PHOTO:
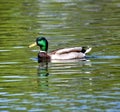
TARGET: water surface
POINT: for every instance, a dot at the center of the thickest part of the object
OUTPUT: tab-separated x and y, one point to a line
69	86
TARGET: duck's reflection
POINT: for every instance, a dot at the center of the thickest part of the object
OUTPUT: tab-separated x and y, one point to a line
43	73
43	69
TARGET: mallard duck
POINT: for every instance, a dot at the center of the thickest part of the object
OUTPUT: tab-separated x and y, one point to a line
60	54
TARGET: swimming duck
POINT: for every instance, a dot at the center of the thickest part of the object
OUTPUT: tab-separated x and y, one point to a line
60	54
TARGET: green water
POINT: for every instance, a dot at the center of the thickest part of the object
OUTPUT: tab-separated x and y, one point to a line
74	86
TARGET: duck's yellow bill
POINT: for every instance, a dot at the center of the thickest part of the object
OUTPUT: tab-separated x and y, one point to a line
32	45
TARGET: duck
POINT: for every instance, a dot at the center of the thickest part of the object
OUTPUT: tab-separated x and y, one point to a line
59	54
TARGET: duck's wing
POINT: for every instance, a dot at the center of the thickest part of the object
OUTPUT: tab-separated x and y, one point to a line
74	49
67	50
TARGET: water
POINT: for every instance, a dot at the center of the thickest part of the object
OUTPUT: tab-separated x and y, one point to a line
69	86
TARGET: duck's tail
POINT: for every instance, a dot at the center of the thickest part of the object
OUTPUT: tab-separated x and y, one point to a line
88	50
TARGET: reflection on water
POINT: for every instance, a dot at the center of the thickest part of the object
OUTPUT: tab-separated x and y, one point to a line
43	69
43	73
70	85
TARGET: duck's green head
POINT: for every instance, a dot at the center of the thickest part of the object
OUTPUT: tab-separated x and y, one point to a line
42	43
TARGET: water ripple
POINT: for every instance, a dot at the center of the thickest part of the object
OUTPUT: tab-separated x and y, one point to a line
9	63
